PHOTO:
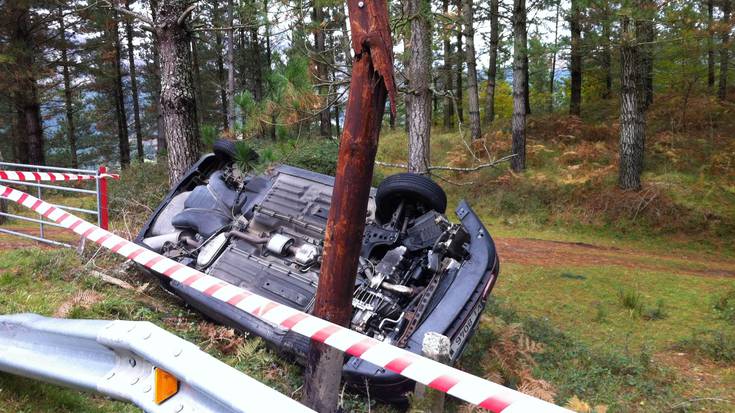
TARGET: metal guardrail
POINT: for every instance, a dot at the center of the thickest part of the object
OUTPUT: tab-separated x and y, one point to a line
99	191
119	358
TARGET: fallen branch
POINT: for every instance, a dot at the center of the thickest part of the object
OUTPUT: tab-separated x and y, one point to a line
453	168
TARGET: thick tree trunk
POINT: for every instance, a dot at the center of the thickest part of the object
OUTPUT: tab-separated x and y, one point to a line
68	98
160	129
325	122
520	46
197	79
230	66
459	94
552	69
134	88
418	97
575	69
29	126
474	97
632	121
607	52
177	92
447	104
122	117
493	63
710	45
724	49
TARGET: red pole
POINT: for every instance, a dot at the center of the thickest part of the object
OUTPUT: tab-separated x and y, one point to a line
371	83
102	198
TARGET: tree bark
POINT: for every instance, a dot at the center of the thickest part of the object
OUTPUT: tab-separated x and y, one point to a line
160	129
230	67
473	98
220	70
122	117
269	60
177	92
575	69
29	126
724	49
493	64
418	96
197	79
710	45
645	34
325	122
134	88
552	69
447	104
68	97
632	121
459	95
607	52
520	46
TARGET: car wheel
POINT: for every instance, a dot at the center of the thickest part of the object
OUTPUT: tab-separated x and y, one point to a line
409	187
225	149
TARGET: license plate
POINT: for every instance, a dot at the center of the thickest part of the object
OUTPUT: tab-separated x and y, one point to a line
465	330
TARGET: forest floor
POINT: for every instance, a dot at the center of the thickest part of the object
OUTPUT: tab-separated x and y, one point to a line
606	302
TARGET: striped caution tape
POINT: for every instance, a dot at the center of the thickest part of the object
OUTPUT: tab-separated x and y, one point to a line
457	383
51	176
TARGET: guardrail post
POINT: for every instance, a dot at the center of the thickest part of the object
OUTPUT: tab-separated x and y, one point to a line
436	347
104	219
370	85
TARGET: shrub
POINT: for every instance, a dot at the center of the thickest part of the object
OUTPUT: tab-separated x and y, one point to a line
716	345
724	305
631	300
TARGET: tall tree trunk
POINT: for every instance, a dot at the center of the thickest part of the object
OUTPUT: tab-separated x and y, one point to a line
29	126
710	45
575	101
134	88
607	52
325	123
724	49
520	51
197	79
632	121
493	64
527	88
122	117
220	62
474	97
177	92
552	69
447	104
645	34
418	97
160	129
230	66
257	65
68	98
459	57
269	60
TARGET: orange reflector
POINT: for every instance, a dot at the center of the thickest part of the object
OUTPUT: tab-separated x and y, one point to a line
166	385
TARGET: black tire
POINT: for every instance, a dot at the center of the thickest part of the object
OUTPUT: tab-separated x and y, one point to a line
225	149
409	187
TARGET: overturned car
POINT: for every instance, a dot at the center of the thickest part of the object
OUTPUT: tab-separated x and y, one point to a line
418	272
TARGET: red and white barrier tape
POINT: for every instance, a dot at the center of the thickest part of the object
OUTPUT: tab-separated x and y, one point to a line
51	176
457	383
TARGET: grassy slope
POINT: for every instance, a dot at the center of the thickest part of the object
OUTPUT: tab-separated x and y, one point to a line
564	323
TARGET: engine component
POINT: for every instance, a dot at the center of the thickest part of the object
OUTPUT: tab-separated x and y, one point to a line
156	243
279	243
388	266
306	254
425	231
211	249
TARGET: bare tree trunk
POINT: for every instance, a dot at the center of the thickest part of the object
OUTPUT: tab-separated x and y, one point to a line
268	55
134	88
325	122
520	46
447	104
606	52
68	98
160	129
257	65
230	67
220	70
474	98
710	45
177	92
724	49
493	64
122	117
552	69
575	101
632	121
527	88
645	33
418	97
460	67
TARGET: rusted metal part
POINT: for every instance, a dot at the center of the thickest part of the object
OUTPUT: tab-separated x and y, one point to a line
371	84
